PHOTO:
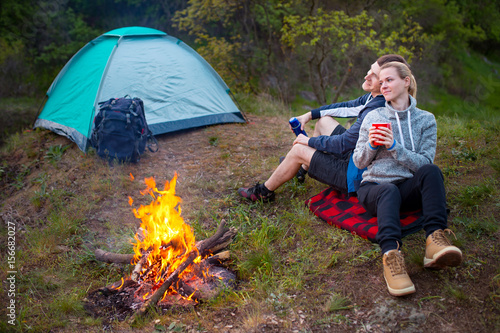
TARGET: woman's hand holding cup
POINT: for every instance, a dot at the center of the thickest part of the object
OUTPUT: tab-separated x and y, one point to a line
380	134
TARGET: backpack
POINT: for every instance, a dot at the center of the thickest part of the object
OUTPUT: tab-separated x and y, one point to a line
120	130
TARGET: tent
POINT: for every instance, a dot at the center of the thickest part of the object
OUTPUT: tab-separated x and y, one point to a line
179	88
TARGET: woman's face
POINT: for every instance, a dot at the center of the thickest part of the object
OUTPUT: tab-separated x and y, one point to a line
392	86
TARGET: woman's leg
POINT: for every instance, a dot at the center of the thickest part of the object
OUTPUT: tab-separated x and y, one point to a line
427	186
383	201
426	191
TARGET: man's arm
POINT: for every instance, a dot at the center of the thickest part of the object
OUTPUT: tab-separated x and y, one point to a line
346	141
347	109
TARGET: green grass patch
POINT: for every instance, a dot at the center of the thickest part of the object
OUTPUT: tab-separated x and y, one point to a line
475	195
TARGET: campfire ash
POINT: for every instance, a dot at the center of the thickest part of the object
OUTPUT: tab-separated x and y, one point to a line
170	267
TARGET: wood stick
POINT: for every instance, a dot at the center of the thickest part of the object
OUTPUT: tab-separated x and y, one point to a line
118	258
203	246
216	258
116	287
110	258
138	267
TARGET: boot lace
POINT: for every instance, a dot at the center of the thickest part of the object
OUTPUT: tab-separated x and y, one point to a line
440	238
396	263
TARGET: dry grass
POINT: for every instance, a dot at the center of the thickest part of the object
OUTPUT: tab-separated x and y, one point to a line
295	272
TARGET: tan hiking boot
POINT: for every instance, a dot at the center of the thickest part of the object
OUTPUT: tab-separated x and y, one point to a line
439	253
398	281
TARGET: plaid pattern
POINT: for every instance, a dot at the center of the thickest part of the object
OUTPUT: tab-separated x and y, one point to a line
338	210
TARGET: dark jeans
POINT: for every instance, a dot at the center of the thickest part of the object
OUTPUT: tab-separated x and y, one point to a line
425	190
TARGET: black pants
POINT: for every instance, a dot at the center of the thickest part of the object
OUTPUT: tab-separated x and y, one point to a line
425	190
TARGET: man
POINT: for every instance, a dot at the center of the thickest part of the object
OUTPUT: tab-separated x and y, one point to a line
327	155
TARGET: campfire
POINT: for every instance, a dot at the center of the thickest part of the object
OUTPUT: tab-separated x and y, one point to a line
170	267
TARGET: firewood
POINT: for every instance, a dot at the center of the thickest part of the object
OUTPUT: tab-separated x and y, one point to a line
110	258
119	258
204	246
216	258
138	267
117	286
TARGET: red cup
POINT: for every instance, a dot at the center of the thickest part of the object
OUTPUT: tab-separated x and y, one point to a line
387	125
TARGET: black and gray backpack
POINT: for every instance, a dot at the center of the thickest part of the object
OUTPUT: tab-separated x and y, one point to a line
120	130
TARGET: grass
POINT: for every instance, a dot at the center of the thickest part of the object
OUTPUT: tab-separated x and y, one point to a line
294	271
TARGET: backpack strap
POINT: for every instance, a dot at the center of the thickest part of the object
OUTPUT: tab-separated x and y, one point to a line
152	142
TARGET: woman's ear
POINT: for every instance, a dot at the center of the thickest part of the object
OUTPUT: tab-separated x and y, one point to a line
407	82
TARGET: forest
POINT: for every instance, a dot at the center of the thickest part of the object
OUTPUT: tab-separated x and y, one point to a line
277	47
293	272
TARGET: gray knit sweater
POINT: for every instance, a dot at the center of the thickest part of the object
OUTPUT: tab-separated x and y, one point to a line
415	132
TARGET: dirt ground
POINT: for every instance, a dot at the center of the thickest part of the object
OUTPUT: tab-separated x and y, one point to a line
200	158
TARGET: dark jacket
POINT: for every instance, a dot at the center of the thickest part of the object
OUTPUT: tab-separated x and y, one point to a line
346	142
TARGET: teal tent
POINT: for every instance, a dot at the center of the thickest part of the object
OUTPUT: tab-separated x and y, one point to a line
179	88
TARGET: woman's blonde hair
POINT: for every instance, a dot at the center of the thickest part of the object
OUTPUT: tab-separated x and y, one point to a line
403	71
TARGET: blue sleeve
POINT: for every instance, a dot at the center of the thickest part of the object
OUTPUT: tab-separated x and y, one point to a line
360	101
346	141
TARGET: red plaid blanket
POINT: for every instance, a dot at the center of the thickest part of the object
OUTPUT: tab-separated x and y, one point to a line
346	213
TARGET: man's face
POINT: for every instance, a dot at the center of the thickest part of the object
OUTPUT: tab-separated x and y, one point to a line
372	83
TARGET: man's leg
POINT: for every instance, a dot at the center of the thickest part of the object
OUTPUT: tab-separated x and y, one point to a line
325	126
297	156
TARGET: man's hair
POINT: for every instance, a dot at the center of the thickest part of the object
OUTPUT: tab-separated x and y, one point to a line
390	58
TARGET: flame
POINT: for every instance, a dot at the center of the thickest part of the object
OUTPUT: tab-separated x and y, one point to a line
121	285
167	239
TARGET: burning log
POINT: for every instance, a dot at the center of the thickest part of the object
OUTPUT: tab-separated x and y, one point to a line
220	237
216	258
171	267
138	268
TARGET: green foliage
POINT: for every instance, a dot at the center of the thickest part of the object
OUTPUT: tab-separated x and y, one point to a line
239	40
494	163
55	153
476	226
444	19
337	302
329	40
40	195
472	196
213	140
49	32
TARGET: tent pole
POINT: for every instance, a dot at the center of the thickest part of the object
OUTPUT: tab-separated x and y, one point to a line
39	110
241	110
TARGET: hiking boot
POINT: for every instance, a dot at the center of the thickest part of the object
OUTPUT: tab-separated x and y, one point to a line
398	281
439	253
301	174
256	193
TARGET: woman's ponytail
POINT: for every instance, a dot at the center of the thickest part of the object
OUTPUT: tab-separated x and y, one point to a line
412	89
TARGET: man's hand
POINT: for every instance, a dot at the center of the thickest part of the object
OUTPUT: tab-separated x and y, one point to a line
381	136
302	140
304	119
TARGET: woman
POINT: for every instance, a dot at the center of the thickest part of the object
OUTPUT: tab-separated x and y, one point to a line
400	176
